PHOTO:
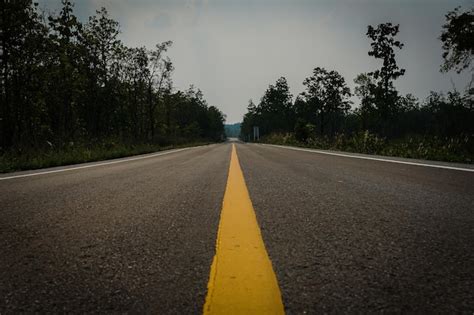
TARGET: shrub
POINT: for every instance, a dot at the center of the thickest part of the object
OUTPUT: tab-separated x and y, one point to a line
450	149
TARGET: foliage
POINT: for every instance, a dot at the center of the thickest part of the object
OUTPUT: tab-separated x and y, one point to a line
251	119
458	40
325	100
450	149
382	94
327	97
80	153
383	42
66	82
274	112
441	127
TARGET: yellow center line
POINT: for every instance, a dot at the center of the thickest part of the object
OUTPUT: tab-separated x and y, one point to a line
242	280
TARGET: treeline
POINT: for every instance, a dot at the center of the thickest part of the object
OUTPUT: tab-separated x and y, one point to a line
65	82
322	114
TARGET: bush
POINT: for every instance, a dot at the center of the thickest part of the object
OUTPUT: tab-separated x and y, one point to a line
450	149
77	153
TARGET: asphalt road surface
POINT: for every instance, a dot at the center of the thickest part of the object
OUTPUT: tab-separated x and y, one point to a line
344	235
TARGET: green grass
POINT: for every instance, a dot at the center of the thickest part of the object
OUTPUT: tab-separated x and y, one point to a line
35	159
448	149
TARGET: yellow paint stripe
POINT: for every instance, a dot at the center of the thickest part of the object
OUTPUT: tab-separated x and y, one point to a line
242	280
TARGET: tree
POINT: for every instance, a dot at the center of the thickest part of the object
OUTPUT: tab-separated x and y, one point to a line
216	119
65	37
384	93
364	90
22	45
275	108
383	42
328	97
160	69
100	39
101	35
63	83
448	114
458	40
249	121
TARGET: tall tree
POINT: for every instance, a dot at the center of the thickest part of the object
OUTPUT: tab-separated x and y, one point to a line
63	83
385	94
22	45
328	96
249	121
102	44
216	119
160	69
275	108
65	71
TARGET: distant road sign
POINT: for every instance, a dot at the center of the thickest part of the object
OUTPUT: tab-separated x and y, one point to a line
256	133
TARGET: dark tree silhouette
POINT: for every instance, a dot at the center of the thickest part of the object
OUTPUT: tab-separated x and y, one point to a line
327	96
458	40
65	83
274	113
385	96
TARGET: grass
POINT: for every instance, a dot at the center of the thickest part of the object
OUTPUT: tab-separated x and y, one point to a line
34	159
449	149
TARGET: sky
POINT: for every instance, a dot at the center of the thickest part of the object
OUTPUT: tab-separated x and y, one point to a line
232	50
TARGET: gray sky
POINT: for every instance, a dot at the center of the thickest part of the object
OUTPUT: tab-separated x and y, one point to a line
232	50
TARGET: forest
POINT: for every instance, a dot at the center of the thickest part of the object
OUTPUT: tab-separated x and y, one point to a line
440	127
74	92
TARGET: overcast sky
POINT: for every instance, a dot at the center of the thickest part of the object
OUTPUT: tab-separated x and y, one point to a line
232	50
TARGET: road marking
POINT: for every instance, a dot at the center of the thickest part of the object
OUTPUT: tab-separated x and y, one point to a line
95	165
372	158
241	280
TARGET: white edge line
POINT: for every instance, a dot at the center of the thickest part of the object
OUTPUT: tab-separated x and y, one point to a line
99	164
371	158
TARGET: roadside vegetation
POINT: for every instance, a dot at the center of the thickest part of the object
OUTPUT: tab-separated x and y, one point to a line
73	92
80	153
419	147
440	127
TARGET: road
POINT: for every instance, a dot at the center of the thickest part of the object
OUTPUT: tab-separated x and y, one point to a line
343	234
